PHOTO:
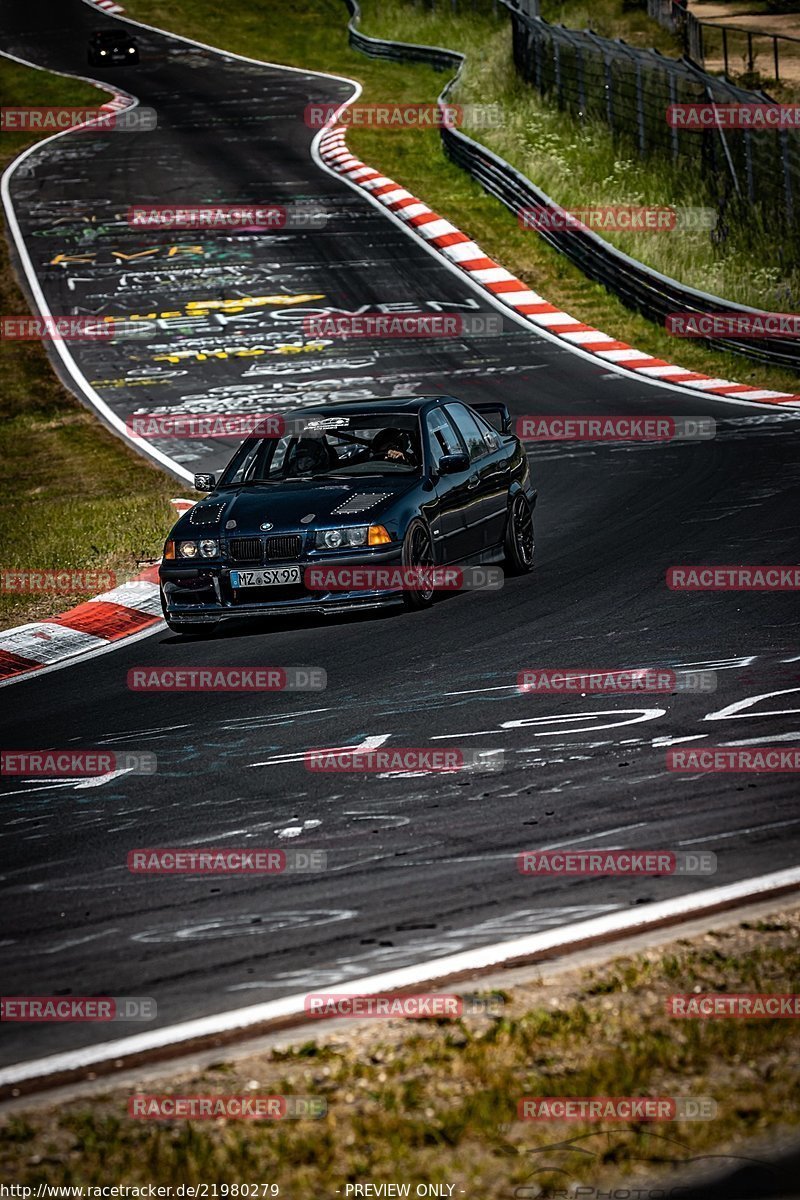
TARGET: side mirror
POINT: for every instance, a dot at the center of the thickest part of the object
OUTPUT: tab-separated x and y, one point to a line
451	464
205	483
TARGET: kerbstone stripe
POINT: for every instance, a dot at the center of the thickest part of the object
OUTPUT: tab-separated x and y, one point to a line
508	290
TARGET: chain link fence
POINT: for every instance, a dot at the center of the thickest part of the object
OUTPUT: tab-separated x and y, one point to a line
639	287
752	176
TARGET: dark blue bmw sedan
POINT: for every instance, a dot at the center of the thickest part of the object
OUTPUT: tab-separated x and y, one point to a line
351	506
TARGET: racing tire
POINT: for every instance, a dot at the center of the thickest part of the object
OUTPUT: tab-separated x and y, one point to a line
417	552
519	541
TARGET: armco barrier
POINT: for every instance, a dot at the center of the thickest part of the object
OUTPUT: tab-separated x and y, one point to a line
638	286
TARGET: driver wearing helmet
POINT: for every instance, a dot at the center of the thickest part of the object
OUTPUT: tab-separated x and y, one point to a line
394	445
313	456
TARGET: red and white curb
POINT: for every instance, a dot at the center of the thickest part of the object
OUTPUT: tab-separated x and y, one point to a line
468	257
108	6
125	610
116	104
104	620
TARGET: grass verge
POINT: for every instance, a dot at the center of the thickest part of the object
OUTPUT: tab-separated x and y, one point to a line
75	496
436	1101
312	35
580	164
626	19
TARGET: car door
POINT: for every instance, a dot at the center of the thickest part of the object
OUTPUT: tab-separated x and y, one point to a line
486	512
452	491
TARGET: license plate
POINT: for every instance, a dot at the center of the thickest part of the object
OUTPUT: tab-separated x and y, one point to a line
270	577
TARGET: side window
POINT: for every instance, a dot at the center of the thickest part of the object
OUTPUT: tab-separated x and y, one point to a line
245	468
490	436
472	435
442	437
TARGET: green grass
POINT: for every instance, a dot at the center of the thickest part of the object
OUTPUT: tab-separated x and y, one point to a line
579	163
625	19
436	1101
75	496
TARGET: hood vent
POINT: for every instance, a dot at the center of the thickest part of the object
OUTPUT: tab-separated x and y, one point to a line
360	502
206	514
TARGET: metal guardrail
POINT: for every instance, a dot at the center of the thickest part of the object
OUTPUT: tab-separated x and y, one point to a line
434	56
638	286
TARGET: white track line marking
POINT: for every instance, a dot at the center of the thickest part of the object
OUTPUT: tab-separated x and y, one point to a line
438	969
369	743
73	370
717	837
99	780
733	710
767	739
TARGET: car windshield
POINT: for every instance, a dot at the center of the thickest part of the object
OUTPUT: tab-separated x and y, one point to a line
339	447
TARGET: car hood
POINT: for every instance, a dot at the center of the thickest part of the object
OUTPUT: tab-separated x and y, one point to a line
293	505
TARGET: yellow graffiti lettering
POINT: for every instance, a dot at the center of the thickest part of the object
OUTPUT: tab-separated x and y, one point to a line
293	348
69	258
243	303
138	254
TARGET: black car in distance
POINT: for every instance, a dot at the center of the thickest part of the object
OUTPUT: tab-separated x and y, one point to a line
109	47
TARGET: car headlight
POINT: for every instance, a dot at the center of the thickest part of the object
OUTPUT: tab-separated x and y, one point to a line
187	549
209	548
102	52
131	50
334	539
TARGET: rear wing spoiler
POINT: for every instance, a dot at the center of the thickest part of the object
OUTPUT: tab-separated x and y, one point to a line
496	414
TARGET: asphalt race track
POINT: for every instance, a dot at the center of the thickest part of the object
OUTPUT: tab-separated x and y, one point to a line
420	866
